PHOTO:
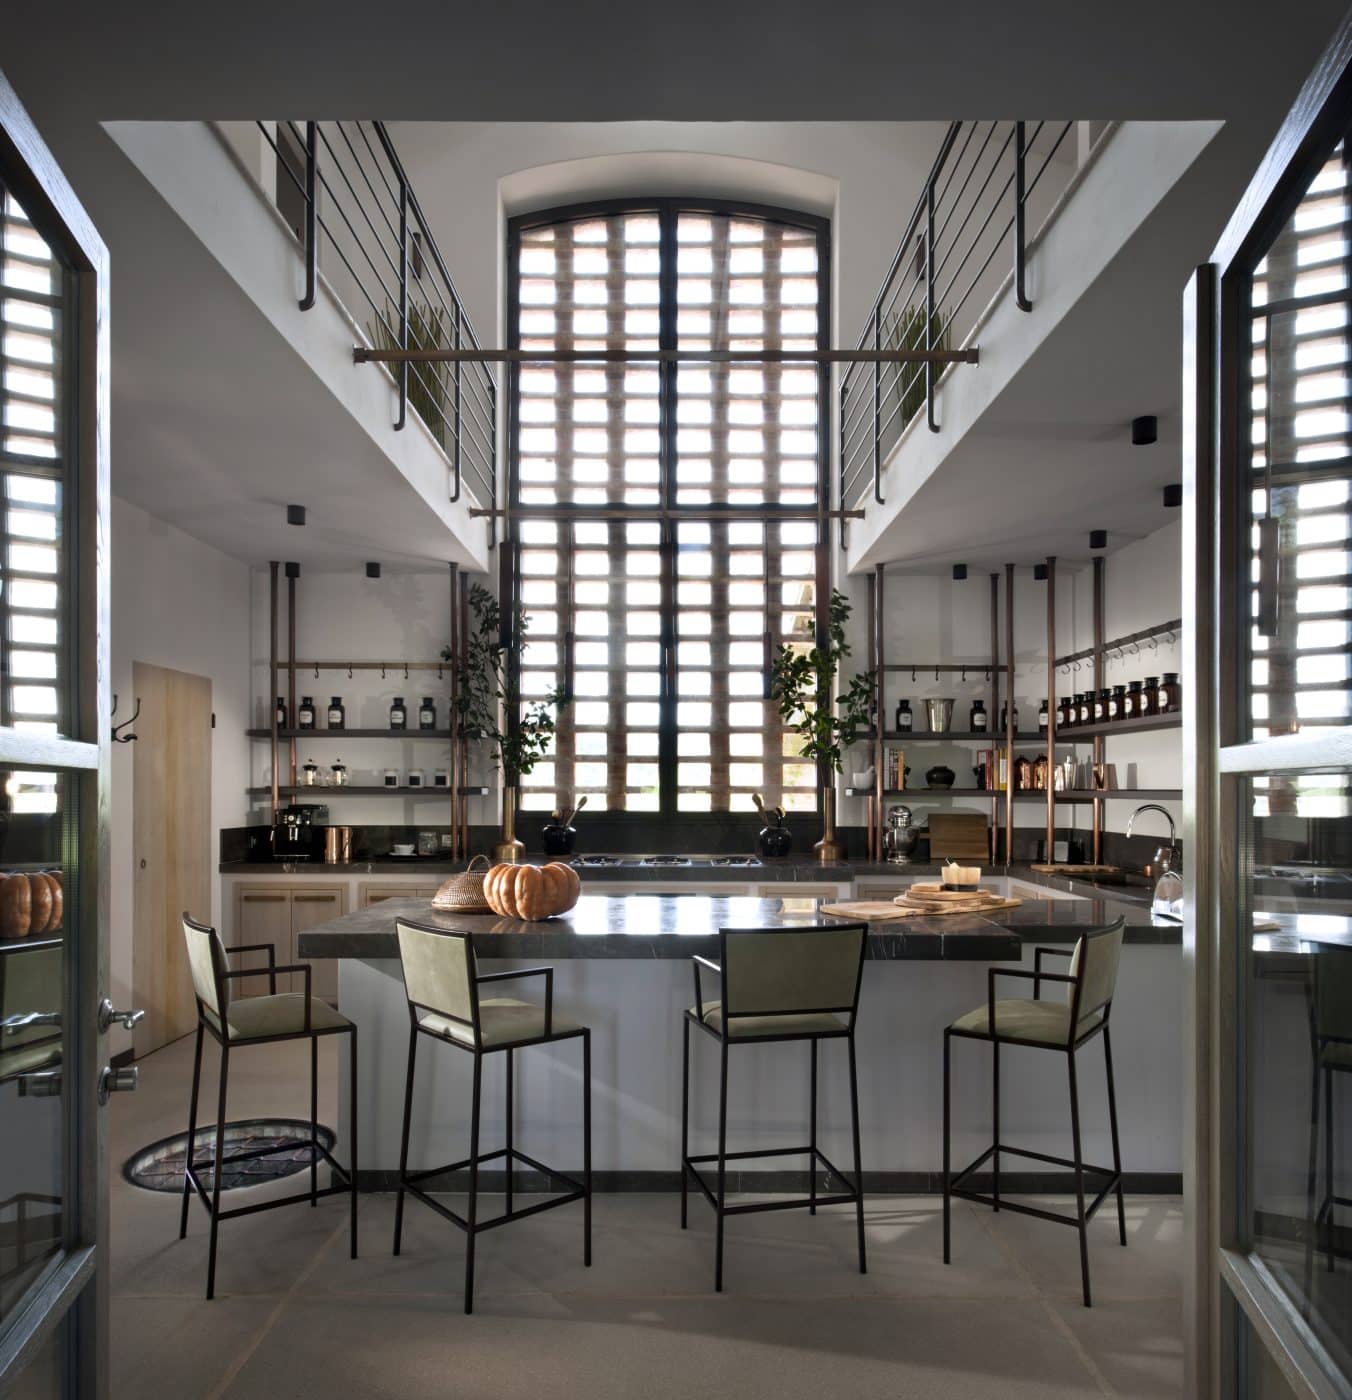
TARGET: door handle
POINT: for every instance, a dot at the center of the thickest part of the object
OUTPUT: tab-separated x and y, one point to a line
117	1081
262	898
108	1015
41	1084
315	898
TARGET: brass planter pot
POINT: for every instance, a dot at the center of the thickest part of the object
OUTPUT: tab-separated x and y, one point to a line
509	851
828	850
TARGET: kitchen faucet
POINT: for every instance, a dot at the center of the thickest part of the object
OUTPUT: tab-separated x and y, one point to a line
1168	895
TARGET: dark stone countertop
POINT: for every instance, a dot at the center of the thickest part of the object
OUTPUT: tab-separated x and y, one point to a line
674	926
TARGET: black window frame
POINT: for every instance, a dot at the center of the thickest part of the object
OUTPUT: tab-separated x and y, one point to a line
688	825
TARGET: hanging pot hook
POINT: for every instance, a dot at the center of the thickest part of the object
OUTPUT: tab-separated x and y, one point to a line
1154	644
936	675
964	675
316	670
382	670
438	670
405	670
988	674
349	670
912	675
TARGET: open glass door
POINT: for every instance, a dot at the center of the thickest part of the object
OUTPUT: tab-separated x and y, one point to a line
1269	812
53	760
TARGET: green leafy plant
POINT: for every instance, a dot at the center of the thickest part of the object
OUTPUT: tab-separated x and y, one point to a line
429	385
905	330
802	683
490	689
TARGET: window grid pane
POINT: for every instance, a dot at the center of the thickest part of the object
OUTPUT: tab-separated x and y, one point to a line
610	591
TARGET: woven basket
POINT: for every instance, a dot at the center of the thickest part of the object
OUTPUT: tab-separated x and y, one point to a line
465	893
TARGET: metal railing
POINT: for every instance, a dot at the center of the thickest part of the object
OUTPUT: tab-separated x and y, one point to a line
974	205
345	192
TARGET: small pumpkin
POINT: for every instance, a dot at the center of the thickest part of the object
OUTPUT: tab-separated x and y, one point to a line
531	891
16	907
58	901
40	903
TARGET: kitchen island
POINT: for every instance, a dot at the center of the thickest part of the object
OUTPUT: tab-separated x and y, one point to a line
622	967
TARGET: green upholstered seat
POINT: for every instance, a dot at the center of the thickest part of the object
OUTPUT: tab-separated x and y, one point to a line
791	1024
255	1018
1046	1022
502	1021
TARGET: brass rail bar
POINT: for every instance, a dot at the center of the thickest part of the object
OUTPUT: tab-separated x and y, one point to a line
362	354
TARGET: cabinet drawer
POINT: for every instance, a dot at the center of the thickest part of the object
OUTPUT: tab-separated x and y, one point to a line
369	893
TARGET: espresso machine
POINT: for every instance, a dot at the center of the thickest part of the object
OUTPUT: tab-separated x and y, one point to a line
298	832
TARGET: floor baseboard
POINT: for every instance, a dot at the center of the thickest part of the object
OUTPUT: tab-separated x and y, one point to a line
743	1182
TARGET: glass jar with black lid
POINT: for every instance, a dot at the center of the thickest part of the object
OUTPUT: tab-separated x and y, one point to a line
1131	702
1170	699
337	715
398	713
1067	711
305	712
1116	701
1086	708
1150	696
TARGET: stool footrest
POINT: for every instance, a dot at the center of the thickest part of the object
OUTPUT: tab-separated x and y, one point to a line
575	1190
955	1187
340	1171
849	1195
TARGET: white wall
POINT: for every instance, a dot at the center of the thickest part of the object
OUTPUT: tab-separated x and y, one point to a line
181	604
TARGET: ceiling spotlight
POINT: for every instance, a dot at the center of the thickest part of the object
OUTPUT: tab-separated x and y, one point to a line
292	569
1040	572
295	515
1144	430
1098	539
373	570
959	571
1173	495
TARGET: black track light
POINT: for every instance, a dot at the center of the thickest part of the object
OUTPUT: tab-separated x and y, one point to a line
959	571
1040	572
1144	430
295	515
1098	539
373	570
292	569
1173	495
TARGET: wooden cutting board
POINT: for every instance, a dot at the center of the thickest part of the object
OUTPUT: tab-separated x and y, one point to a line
1075	869
931	899
868	909
959	836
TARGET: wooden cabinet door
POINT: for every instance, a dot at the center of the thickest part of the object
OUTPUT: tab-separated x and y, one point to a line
370	893
311	905
262	915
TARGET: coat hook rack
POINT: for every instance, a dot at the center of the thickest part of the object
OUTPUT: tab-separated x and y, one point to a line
118	736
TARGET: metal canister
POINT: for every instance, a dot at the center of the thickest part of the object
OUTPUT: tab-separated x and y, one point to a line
899	835
337	845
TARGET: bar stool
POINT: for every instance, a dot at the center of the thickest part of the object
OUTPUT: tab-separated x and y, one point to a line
778	985
1046	1025
442	981
259	1020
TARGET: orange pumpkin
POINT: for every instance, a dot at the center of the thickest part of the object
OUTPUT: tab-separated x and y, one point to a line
531	891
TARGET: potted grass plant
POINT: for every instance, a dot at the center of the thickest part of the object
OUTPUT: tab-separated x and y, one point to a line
803	684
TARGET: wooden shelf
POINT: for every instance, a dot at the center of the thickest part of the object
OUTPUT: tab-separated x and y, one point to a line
350	791
1126	794
957	736
352	733
924	792
1078	733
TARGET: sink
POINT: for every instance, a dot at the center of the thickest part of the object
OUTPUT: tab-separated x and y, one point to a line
1123	879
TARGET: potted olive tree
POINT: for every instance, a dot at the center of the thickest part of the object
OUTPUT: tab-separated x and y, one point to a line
489	705
803	684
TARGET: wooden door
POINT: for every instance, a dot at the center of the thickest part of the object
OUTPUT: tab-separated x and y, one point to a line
311	906
171	848
262	915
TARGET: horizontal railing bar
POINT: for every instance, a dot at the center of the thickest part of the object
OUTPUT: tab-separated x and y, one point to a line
969	355
1174	625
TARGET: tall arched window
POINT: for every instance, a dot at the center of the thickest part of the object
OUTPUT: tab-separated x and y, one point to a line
668	517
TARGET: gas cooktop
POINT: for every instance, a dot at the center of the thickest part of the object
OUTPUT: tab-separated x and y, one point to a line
638	862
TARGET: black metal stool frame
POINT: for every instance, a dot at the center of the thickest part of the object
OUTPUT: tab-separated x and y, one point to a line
346	1176
852	1193
953	1181
574	1190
